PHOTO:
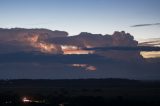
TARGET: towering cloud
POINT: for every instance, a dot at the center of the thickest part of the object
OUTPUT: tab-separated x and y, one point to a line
85	39
123	39
18	39
88	40
58	42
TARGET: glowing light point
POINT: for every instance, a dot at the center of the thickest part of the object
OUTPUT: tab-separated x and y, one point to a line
25	100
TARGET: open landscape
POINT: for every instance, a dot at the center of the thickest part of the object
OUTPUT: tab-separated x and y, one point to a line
79	53
79	92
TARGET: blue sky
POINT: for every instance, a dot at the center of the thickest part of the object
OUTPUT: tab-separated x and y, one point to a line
75	16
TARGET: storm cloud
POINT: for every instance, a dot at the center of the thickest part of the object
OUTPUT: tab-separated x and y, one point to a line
27	40
40	54
58	42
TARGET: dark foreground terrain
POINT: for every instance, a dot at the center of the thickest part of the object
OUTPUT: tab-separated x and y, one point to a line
84	92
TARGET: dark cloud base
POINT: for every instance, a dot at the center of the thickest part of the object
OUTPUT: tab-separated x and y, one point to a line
40	66
139	48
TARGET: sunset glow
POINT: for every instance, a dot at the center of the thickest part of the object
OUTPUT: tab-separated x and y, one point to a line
151	54
41	45
68	49
45	48
85	66
51	48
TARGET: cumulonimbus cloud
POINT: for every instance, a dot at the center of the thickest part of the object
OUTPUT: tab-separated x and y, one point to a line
143	25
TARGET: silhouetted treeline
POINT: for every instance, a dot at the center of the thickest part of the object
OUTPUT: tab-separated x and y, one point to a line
77	83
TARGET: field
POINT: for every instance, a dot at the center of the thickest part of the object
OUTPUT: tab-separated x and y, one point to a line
80	92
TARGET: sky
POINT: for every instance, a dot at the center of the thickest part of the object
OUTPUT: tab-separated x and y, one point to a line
75	16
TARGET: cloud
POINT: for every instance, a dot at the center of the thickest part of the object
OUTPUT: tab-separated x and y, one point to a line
150	42
138	48
52	42
89	40
85	39
143	25
28	40
24	66
21	57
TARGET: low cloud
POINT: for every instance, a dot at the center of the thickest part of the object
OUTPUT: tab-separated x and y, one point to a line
138	48
143	25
